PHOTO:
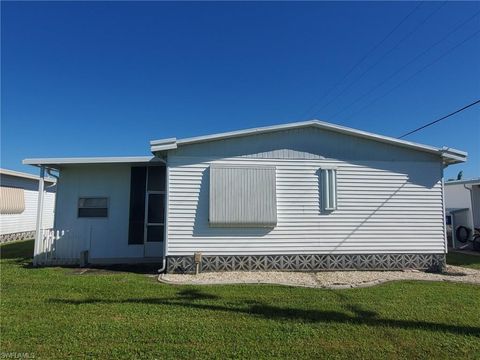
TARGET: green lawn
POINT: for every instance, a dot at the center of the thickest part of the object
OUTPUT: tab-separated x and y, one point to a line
471	261
55	313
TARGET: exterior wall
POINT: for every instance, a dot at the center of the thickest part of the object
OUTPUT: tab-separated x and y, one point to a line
383	208
104	238
22	226
389	213
457	196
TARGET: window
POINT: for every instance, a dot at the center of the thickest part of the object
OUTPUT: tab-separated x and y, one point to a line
328	189
242	196
12	200
93	207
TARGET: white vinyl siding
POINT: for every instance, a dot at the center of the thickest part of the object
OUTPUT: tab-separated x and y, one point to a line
242	196
384	207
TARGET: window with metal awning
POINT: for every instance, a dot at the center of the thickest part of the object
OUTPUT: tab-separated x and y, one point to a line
242	196
12	200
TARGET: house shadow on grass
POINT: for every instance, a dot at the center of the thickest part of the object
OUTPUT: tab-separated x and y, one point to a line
193	299
20	252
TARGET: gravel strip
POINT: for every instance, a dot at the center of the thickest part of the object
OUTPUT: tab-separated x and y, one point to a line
327	279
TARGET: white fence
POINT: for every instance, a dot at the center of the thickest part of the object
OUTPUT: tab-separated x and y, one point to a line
58	247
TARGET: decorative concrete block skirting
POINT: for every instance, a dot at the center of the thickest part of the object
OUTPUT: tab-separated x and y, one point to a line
25	235
308	262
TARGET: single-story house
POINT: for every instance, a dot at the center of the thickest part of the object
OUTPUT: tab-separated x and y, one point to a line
301	196
462	200
18	205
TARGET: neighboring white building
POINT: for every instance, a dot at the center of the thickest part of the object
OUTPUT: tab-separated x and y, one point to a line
18	205
300	196
462	201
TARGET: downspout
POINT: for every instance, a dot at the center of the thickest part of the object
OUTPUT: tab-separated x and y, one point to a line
164	265
49	172
38	230
470	212
167	200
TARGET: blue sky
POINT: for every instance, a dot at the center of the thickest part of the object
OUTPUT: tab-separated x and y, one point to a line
102	79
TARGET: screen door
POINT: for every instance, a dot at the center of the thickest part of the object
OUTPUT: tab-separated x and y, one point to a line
154	235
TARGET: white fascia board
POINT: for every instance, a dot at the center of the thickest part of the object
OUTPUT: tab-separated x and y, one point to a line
463	182
90	160
163	144
453	156
457	156
25	175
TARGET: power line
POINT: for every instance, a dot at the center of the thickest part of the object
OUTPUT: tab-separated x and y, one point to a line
344	90
328	92
361	97
442	118
416	73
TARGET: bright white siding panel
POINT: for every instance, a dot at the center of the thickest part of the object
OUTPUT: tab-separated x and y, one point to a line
382	207
457	196
103	237
242	196
26	221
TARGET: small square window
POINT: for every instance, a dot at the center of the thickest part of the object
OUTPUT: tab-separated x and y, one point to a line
93	207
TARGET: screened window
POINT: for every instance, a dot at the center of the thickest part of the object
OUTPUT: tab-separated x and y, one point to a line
242	196
147	204
12	200
92	207
329	189
156	178
136	227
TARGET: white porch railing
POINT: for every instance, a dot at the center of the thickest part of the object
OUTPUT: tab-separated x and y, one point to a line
57	247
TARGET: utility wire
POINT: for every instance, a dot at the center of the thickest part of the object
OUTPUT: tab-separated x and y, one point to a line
345	89
416	73
458	27
329	91
442	118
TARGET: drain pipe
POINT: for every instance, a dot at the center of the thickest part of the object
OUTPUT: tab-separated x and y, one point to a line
470	212
164	265
49	172
165	239
39	228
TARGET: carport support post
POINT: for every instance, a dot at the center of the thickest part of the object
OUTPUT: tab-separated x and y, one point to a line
38	230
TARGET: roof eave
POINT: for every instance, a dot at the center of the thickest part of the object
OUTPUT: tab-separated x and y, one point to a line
452	156
19	174
56	163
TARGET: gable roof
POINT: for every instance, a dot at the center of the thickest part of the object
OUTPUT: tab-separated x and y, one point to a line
23	175
449	155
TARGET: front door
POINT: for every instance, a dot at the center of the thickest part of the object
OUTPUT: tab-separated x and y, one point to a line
154	234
